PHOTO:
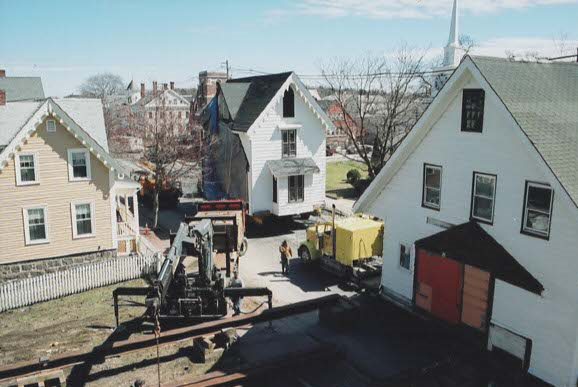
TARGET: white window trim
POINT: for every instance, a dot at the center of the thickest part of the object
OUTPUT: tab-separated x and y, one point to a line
494	178
19	181
53	122
283	131
425	187
73	217
531	230
71	169
29	242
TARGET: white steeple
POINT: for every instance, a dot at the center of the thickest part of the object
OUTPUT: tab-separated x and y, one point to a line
452	51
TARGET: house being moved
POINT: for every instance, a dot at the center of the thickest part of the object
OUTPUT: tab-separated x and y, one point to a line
269	145
480	204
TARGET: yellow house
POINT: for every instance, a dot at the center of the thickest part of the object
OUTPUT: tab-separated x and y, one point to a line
63	199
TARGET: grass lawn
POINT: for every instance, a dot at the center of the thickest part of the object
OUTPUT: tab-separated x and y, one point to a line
336	183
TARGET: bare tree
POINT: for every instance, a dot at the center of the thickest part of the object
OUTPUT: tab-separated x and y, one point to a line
170	150
382	96
467	43
101	86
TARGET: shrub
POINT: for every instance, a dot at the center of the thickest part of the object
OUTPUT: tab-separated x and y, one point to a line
361	185
353	176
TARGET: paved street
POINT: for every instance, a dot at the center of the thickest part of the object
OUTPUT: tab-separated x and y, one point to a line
261	265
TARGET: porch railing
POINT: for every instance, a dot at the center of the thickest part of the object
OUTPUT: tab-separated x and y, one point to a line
125	229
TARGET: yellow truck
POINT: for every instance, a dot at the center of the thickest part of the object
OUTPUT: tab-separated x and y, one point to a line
357	242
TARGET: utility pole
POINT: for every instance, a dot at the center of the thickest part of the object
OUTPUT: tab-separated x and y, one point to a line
226	63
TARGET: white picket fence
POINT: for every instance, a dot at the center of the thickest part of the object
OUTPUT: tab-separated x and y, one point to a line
28	291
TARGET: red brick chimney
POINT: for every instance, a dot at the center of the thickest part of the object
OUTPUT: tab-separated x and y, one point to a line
142	90
154	87
2	97
165	86
172	85
2	73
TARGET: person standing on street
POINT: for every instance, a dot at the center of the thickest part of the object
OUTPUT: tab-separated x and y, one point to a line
286	253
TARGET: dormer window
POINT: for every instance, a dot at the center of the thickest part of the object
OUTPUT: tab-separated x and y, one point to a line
289	103
473	110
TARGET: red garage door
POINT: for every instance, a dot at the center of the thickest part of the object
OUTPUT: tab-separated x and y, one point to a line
439	286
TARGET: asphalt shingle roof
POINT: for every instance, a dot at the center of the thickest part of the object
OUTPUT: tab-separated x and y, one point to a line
22	88
248	97
543	99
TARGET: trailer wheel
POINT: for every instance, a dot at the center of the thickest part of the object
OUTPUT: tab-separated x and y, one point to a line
244	247
304	254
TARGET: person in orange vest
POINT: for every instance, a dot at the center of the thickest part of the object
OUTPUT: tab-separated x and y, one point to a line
286	253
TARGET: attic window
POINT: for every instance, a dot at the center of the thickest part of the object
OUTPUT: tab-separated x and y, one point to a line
473	110
50	126
289	103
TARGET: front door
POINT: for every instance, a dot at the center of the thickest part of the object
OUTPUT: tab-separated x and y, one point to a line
439	286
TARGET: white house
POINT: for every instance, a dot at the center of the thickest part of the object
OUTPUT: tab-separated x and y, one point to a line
271	147
480	210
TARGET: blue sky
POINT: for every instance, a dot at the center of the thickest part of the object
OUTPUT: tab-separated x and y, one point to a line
64	42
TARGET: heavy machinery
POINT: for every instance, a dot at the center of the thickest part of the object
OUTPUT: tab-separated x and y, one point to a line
230	214
200	294
349	247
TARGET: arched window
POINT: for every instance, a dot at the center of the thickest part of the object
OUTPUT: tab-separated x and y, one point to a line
289	103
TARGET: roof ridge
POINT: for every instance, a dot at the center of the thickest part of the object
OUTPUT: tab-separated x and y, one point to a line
285	74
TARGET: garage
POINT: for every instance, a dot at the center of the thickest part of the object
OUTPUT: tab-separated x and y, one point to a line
455	272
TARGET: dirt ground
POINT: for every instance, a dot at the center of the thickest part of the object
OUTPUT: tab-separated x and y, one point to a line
81	321
72	323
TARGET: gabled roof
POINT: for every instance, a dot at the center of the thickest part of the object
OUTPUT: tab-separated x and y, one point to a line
150	96
542	99
247	97
86	113
470	244
22	88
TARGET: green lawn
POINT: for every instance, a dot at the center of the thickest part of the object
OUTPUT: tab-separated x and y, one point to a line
336	183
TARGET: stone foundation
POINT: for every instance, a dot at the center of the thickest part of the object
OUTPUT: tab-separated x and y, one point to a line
34	268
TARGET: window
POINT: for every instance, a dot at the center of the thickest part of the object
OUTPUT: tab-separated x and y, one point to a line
150	115
404	256
78	164
483	197
289	143
289	103
432	186
35	225
180	115
296	188
82	220
26	168
50	126
537	209
274	189
187	114
473	110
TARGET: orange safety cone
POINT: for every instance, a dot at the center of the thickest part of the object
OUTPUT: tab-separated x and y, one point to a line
146	229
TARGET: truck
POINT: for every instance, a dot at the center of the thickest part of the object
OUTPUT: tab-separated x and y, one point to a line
229	214
349	247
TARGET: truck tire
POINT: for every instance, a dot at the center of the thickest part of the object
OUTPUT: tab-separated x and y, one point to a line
305	254
244	247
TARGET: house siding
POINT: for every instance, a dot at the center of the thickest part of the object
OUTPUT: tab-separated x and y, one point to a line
56	193
550	320
266	143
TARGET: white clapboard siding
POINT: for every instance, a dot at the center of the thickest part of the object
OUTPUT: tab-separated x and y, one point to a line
28	291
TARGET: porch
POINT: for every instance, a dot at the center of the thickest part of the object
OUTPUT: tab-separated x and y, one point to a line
127	224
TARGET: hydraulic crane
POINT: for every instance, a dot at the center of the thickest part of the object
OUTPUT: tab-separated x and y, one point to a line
178	294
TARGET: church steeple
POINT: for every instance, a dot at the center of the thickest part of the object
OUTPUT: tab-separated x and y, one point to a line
452	51
452	54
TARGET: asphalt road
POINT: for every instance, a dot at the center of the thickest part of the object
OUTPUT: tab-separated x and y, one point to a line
261	266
